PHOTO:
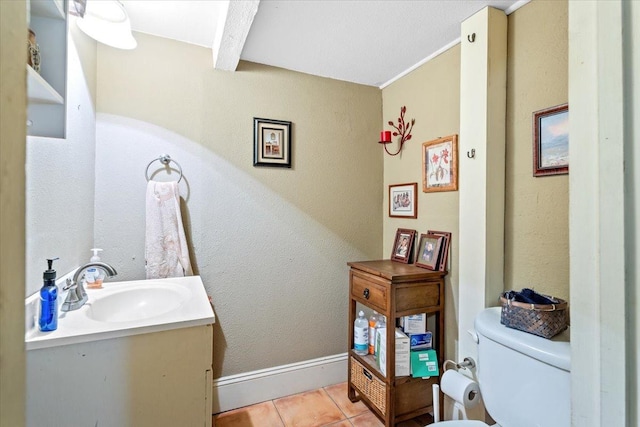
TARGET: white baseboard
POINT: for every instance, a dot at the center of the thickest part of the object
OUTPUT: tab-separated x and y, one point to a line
236	391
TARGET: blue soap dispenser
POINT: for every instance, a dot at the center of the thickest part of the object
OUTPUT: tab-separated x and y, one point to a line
48	319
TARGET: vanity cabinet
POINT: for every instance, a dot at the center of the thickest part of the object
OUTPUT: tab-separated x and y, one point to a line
394	290
46	91
148	380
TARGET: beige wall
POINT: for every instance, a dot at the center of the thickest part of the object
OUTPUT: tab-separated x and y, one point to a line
432	96
13	30
271	244
536	209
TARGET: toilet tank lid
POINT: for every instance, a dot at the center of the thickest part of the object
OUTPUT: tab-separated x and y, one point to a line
555	351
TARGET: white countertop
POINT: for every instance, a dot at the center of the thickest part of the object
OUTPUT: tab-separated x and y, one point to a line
192	309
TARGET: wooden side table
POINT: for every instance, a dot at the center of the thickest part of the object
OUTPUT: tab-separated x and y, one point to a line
394	290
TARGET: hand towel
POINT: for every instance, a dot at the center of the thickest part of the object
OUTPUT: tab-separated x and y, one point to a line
166	251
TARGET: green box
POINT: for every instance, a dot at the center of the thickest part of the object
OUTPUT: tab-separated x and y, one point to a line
424	364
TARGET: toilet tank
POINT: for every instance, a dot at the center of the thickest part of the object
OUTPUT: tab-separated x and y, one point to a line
524	379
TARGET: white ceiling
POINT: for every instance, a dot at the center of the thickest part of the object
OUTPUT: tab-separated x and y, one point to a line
367	42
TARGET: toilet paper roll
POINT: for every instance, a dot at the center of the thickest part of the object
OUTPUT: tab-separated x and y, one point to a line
460	388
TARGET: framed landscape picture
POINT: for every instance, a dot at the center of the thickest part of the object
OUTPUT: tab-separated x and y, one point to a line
551	141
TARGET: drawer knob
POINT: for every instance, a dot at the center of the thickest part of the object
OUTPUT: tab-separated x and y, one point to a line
366	293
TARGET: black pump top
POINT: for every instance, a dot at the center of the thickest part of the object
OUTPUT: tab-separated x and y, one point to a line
50	274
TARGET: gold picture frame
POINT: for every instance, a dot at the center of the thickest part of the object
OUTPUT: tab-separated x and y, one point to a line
551	141
440	164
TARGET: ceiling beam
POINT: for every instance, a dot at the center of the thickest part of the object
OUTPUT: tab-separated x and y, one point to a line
233	28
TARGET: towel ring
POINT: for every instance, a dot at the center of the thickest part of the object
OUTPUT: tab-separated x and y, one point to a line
165	159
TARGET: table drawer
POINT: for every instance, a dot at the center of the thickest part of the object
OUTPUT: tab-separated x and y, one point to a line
373	293
417	296
369	385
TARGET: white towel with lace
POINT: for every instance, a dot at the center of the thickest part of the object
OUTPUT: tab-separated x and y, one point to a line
166	251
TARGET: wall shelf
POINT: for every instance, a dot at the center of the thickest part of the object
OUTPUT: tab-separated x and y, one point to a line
40	91
46	90
48	9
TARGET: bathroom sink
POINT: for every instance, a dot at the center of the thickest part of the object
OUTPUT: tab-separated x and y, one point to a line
143	301
123	309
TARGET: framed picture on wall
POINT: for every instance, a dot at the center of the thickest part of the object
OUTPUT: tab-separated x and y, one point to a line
429	249
403	245
440	164
402	200
551	141
271	143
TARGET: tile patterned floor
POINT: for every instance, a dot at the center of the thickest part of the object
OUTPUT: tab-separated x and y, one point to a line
328	406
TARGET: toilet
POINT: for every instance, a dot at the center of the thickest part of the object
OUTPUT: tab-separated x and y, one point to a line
524	379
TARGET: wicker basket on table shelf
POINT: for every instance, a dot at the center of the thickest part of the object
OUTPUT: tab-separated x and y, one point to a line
368	385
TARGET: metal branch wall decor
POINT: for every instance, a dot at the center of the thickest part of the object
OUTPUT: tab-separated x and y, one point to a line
402	130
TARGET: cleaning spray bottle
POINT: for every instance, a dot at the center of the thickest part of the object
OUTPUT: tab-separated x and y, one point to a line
94	276
48	317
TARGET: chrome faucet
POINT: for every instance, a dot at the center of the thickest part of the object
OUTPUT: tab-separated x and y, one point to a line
77	295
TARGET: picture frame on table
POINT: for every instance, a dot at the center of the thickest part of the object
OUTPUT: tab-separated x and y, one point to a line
444	253
551	141
429	248
403	245
440	164
271	143
402	200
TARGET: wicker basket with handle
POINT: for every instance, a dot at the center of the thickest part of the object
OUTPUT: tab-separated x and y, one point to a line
545	320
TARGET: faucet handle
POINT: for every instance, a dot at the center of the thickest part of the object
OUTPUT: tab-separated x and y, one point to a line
70	285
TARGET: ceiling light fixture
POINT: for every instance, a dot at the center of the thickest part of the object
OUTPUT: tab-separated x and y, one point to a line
107	22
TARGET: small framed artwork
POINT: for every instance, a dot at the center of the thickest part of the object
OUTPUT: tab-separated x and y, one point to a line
403	245
271	143
440	164
428	254
551	141
444	253
402	200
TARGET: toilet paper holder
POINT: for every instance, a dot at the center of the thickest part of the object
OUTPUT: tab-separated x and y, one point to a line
467	363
